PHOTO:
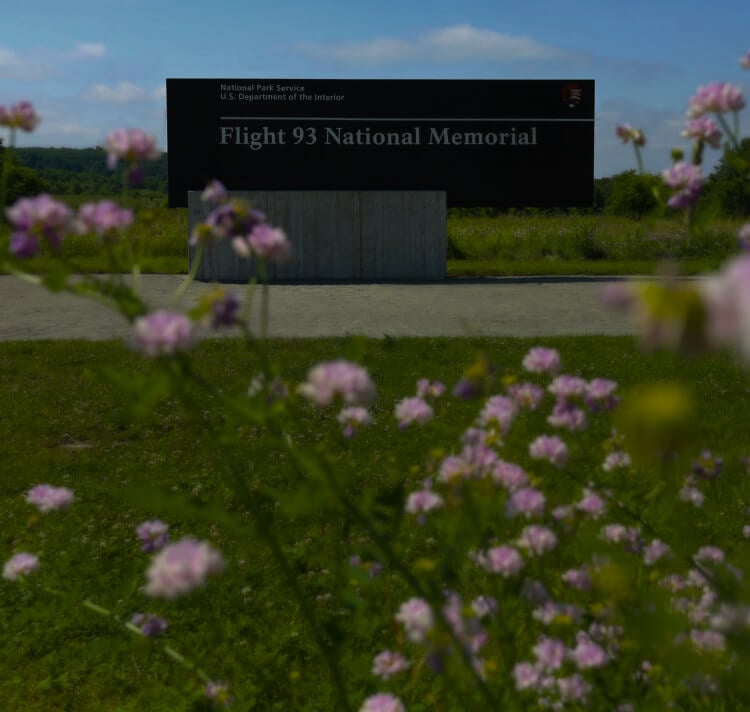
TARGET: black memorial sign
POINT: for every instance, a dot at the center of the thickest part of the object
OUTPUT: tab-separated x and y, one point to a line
485	142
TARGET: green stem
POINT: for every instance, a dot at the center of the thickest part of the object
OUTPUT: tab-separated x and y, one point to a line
638	158
265	531
171	652
732	138
7	157
191	275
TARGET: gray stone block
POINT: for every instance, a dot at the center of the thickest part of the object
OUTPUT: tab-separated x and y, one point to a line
339	236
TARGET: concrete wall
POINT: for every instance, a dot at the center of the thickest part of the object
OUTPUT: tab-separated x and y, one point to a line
340	235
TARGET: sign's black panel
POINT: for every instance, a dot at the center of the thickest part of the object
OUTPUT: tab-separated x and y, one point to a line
486	142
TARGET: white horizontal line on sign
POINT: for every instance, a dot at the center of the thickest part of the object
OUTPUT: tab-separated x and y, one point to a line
350	118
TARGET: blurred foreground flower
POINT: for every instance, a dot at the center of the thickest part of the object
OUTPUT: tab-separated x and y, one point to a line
47	498
104	218
19	116
20	565
627	133
35	218
181	567
716	98
704	129
383	702
340	378
266	242
130	145
162	333
687	180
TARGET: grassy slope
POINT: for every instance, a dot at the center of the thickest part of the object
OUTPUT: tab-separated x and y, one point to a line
60	423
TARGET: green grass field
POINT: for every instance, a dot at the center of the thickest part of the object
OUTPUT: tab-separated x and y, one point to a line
477	246
63	422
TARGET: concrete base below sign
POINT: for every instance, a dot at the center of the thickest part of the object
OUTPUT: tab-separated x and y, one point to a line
339	235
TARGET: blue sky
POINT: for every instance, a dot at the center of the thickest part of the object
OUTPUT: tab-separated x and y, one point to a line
90	66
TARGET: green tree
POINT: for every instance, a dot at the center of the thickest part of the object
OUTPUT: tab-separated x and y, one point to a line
22	181
727	189
632	194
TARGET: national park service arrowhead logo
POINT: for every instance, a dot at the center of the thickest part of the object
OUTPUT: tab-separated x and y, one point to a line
572	95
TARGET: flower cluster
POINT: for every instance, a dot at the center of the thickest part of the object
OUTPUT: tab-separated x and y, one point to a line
104	218
19	116
716	98
162	333
687	180
32	219
627	133
181	567
130	145
340	378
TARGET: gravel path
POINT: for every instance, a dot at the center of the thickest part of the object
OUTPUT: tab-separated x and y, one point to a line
503	306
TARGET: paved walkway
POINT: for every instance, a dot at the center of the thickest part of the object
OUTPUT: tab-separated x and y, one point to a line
503	306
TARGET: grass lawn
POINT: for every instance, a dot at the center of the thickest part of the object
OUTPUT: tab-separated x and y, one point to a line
477	246
63	422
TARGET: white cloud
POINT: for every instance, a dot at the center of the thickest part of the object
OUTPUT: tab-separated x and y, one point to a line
84	50
123	93
449	44
159	92
13	66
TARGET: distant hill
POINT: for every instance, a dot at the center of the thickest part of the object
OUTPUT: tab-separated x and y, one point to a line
84	170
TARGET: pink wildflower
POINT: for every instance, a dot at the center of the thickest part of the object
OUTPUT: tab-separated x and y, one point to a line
162	333
600	394
592	504
727	297
537	539
711	554
692	495
103	218
709	640
47	498
340	378
130	145
423	501
526	395
383	702
149	624
509	475
526	676
455	467
266	242
19	116
550	653
573	688
416	617
616	460
567	387
566	415
588	654
181	567
153	535
387	664
499	412
352	418
746	531
429	389
744	60
215	192
627	133
503	560
687	180
527	501
484	606
656	550
40	216
542	360
550	448
619	534
716	98
578	579
704	129
413	410
20	565
218	691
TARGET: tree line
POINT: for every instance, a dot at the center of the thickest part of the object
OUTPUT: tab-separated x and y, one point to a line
83	171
